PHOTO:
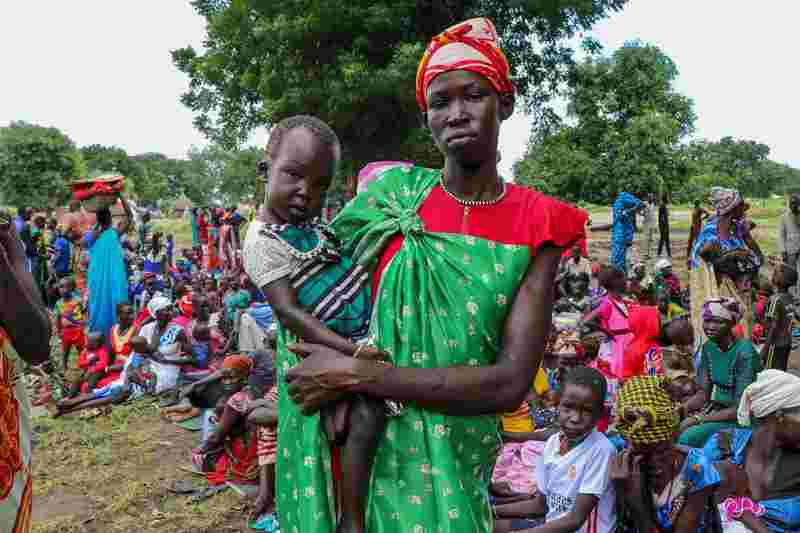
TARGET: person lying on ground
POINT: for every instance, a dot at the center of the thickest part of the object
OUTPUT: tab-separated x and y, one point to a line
134	382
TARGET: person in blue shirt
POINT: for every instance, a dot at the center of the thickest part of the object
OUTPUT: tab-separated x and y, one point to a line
62	255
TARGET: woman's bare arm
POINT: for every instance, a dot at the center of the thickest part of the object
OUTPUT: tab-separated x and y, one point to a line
456	390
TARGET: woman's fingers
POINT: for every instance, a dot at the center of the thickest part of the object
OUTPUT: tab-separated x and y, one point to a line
301	349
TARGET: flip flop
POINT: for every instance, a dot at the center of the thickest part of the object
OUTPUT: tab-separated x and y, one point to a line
265	522
191	424
207	493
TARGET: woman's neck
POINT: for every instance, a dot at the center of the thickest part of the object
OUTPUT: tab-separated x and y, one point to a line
726	343
480	182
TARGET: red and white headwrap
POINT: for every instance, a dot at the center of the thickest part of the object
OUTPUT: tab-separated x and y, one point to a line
470	45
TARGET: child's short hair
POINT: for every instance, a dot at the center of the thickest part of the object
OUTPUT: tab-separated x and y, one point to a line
608	273
317	127
585	376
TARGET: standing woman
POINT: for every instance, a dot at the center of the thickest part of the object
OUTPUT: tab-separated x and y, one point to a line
107	276
24	333
464	265
728	231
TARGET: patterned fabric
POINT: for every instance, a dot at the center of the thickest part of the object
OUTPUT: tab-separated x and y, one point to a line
517	466
725	200
15	452
330	286
726	309
240	363
470	45
646	413
710	235
70	312
697	474
442	301
622	229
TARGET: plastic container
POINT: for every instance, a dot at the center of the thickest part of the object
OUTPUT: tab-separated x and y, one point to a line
98	193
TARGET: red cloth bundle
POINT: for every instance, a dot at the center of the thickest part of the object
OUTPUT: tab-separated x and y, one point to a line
101	186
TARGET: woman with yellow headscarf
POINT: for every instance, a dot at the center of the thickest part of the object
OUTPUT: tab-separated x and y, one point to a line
680	481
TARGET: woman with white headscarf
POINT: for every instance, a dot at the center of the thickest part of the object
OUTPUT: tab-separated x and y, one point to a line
164	342
724	236
761	463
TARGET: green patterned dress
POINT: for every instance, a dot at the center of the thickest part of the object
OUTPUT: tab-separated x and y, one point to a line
448	276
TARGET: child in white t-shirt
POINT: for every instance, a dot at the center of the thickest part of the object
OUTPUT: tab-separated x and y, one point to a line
574	491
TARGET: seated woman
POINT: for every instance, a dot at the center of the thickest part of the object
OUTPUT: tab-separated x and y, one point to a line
167	345
727	366
231	453
761	466
664	487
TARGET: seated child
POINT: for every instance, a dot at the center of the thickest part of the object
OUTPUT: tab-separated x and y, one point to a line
70	319
667	280
134	382
574	491
93	363
281	247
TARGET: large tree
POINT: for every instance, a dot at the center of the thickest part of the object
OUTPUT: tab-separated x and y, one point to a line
36	165
353	63
623	130
233	172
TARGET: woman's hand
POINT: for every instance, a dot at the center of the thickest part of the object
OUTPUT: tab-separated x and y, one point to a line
626	473
322	377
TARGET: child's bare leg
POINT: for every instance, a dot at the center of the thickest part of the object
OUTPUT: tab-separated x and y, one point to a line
367	420
88	404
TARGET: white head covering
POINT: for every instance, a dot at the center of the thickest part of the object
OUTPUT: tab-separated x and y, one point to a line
663	263
772	391
156	304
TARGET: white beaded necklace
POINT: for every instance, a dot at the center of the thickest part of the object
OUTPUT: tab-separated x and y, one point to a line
294	252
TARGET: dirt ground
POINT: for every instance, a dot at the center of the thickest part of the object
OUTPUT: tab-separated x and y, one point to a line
112	474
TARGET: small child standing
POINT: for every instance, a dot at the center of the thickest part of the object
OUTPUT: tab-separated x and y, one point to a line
572	474
778	319
70	319
316	293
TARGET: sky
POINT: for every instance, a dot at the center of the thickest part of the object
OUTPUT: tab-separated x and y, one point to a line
101	71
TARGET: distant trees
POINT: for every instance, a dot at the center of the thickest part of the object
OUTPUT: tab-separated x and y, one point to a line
626	129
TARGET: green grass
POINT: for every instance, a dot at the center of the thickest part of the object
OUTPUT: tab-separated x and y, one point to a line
111	474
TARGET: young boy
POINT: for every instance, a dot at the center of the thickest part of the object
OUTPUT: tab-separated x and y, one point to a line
778	319
70	318
572	474
316	293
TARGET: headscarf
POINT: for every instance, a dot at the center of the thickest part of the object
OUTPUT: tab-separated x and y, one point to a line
645	412
723	309
185	305
157	304
470	45
663	264
725	200
241	364
772	391
375	170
